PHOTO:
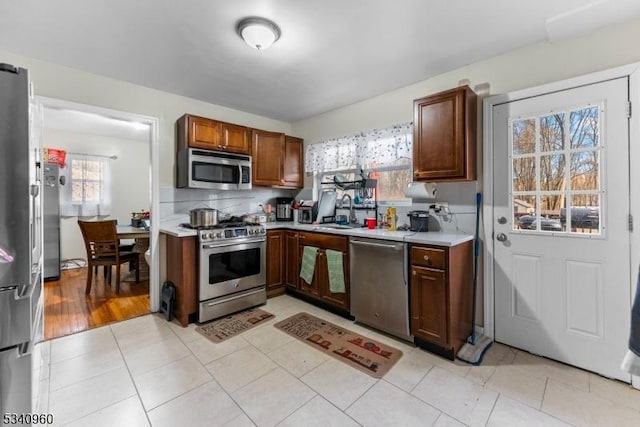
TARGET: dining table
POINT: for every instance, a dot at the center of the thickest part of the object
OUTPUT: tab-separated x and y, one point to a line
141	237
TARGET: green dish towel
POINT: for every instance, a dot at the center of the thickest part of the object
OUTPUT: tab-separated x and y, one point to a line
336	271
308	263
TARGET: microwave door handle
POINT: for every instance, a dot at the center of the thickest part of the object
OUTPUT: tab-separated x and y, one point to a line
239	174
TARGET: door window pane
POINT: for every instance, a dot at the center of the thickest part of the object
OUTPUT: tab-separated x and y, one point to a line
524	174
585	128
552	132
584	215
524	136
585	167
552	172
524	213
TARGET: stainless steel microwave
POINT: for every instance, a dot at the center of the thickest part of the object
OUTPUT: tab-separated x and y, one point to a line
213	170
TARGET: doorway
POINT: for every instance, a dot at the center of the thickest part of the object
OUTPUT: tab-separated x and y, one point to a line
559	270
131	139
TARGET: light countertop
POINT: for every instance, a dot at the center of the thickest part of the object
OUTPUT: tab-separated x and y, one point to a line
429	238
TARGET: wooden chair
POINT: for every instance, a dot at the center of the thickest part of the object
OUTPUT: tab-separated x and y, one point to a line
102	246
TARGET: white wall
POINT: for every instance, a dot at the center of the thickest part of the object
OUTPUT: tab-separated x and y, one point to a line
130	185
527	67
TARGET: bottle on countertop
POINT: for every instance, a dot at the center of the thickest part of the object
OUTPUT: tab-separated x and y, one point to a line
391	218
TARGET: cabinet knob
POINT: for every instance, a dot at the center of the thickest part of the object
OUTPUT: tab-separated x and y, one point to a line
413	272
426	258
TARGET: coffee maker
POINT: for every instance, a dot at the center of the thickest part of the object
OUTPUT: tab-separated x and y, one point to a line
284	208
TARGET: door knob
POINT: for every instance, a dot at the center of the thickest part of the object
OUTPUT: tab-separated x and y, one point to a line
501	237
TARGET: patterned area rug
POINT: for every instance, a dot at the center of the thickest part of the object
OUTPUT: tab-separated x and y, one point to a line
227	327
362	353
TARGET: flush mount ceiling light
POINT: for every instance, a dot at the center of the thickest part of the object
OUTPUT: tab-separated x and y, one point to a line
259	33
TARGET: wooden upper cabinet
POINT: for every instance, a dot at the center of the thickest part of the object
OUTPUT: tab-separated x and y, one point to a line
444	136
200	132
267	150
235	138
293	162
203	133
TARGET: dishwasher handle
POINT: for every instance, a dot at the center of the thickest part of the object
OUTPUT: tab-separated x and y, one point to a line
394	246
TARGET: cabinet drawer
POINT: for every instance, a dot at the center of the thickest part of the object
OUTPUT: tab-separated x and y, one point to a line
428	257
325	241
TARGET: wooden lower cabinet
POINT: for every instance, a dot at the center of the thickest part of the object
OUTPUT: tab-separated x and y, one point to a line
441	293
291	260
182	271
275	262
337	299
318	290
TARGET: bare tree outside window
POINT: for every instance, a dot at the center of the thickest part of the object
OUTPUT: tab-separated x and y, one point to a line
556	167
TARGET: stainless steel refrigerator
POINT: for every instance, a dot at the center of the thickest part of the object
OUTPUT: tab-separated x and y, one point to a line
21	305
51	220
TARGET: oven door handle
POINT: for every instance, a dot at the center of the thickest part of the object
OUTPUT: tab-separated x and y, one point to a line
235	297
235	243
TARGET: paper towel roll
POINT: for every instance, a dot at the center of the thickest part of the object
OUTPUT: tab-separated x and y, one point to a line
421	190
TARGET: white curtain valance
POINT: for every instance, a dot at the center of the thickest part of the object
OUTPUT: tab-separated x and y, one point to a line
87	190
375	148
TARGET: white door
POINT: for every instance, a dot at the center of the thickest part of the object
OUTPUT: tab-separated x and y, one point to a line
561	239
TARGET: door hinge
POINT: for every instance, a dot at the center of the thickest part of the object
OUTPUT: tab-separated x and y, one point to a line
630	222
629	109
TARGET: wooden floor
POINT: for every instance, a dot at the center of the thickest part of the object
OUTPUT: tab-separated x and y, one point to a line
68	310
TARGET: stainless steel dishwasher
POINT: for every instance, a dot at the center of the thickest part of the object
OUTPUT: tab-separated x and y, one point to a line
379	285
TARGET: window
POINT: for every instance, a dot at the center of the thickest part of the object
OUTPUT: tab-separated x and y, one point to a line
385	155
556	163
87	190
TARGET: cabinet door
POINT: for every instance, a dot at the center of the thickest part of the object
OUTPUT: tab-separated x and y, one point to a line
429	305
275	270
235	138
337	299
292	261
293	162
267	151
444	136
204	133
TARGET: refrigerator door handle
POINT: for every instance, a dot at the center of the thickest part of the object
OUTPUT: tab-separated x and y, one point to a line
16	315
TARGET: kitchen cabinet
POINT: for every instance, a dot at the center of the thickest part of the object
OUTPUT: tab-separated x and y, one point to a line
182	271
277	159
291	259
441	293
444	136
318	289
208	134
292	174
275	262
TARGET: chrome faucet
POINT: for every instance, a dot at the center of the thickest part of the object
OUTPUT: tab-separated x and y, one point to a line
352	216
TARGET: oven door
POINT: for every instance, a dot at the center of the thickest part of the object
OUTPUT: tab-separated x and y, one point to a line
231	268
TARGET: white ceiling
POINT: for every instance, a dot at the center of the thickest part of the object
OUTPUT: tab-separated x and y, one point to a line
332	52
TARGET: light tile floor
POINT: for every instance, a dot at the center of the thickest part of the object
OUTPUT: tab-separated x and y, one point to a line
146	371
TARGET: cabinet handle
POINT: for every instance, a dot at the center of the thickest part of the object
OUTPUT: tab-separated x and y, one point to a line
413	272
426	258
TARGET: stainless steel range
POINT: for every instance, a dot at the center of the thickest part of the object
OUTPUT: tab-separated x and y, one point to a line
232	274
